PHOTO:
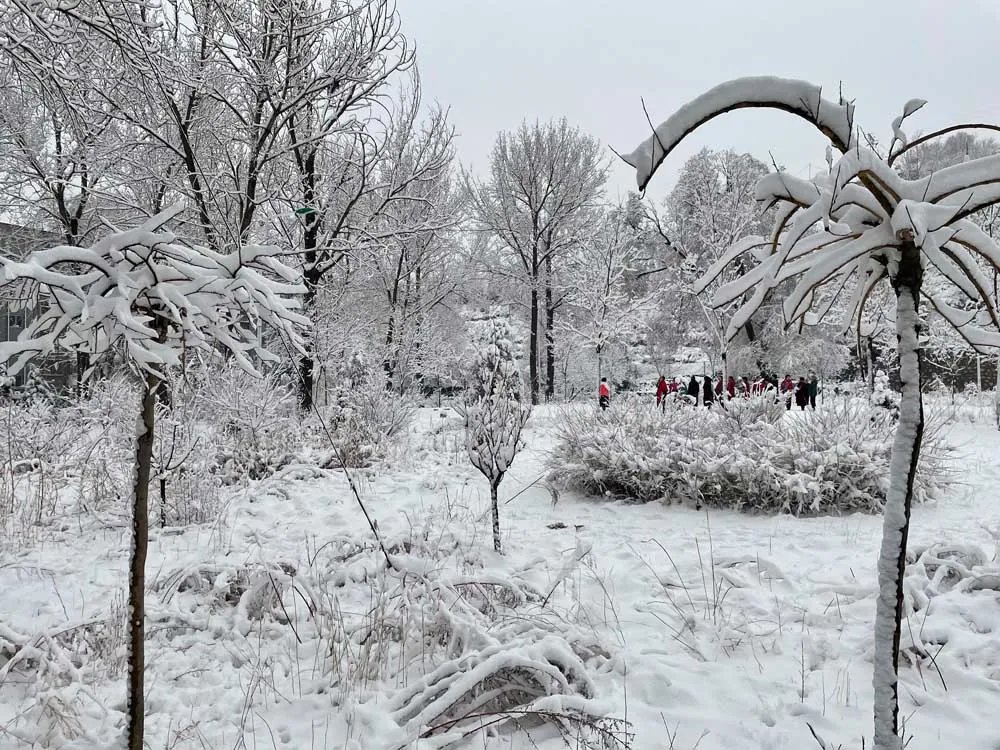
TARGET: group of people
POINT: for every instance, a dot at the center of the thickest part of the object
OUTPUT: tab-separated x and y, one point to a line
802	392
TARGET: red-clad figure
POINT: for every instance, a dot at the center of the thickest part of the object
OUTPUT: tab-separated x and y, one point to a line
604	394
787	391
731	387
674	385
719	388
661	390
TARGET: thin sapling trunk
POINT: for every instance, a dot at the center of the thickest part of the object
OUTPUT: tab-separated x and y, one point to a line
494	487
137	565
896	522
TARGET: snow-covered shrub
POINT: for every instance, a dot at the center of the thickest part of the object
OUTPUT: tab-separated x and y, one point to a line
451	639
883	397
494	364
363	422
766	407
65	457
185	480
57	667
254	423
845	448
834	460
978	407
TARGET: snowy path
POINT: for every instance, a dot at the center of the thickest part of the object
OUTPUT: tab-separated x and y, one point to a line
779	635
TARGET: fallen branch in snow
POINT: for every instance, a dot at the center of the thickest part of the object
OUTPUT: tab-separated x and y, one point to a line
607	733
42	647
534	674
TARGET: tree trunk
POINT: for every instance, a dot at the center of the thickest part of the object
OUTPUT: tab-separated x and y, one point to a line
896	522
82	365
494	486
137	568
550	344
533	343
870	356
996	384
550	359
163	500
388	362
307	362
996	393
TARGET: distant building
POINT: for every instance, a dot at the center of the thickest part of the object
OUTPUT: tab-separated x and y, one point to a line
19	304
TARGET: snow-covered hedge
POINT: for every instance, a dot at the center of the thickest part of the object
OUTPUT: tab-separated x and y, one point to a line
753	458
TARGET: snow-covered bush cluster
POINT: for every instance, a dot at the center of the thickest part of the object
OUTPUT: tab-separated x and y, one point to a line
831	461
416	646
57	462
363	423
254	428
951	591
883	396
220	428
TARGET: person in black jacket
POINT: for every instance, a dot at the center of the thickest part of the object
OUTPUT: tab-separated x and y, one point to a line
802	394
813	390
692	389
708	392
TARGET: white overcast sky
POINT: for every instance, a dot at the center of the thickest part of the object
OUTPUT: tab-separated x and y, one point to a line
498	62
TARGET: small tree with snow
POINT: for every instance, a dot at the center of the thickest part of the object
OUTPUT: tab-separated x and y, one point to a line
496	418
494	366
604	309
150	297
839	237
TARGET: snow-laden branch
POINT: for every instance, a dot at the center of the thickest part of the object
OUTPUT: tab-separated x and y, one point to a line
834	120
142	290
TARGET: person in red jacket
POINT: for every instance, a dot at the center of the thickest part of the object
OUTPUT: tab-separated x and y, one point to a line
604	394
661	390
731	387
787	391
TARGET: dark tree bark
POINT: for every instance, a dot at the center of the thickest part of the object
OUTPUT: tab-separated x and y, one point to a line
307	362
550	344
137	566
533	344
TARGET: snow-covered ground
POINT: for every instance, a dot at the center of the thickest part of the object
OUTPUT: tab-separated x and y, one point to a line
740	654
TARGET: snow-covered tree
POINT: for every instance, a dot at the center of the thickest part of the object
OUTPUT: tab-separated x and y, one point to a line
544	179
711	207
493	427
496	414
494	370
606	305
149	298
862	225
378	197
